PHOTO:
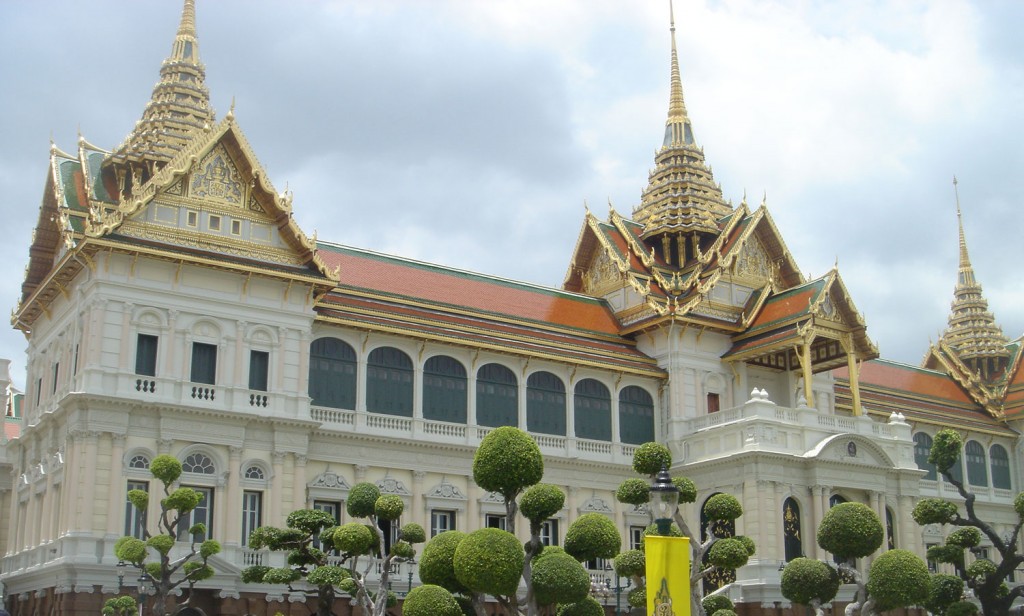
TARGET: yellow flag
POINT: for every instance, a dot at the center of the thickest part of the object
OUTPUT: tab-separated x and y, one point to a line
668	575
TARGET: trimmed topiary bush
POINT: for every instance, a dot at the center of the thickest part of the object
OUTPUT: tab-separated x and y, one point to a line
130	550
430	600
805	580
362	499
637	597
591	536
962	608
587	607
850	530
943	591
559	578
713	603
898	578
633	492
933	511
354	538
945	449
413	533
687	489
166	468
309	520
540	502
389	507
650	458
507	462
490	561
723	507
630	563
724	613
437	561
728	553
966	537
328	575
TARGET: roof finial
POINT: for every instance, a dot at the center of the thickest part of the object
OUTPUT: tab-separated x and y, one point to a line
965	261
188	19
677	130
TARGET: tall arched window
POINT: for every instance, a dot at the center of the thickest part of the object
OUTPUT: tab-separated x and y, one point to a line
890	529
444	389
389	382
593	411
1000	467
332	374
636	415
791	529
977	464
922	447
721	529
545	404
497	396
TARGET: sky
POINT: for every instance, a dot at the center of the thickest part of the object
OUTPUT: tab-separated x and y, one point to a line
471	133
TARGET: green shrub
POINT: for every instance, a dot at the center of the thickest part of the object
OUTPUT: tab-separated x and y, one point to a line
945	450
724	613
898	578
489	561
933	511
943	591
981	568
630	563
139	499
540	502
650	458
687	489
309	521
1018	504
728	553
748	544
182	500
208	548
430	600
361	500
130	550
633	492
637	597
966	537
281	575
559	578
723	507
592	535
254	574
354	538
413	533
805	580
587	607
166	468
403	549
507	462
850	530
437	561
389	507
713	603
195	570
328	575
161	543
962	608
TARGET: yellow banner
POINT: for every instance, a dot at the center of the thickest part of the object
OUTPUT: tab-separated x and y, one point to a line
668	575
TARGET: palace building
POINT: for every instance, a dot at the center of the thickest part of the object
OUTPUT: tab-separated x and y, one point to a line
173	306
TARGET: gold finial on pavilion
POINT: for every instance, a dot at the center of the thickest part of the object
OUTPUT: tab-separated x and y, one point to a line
677	128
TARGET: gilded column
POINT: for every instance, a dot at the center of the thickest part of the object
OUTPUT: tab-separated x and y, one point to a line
117	485
851	363
277	489
233	531
805	363
299	482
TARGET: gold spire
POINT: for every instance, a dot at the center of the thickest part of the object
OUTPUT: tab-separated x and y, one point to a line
972	330
179	106
682	203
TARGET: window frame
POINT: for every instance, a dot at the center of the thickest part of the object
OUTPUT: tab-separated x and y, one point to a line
448	516
259	374
203	369
134	520
147	348
252	513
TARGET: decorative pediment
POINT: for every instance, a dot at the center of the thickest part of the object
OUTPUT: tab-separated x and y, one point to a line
446	490
216	178
596	505
329	479
753	265
390	485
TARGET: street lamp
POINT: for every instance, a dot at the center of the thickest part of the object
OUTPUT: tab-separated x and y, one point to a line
664	498
409	589
120	574
143	592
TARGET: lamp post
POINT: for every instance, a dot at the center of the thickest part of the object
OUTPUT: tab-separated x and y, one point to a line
140	598
409	589
120	575
664	499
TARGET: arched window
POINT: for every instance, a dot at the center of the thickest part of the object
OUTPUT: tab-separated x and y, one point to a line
444	390
791	529
836	499
389	382
139	461
255	473
636	415
593	411
977	464
332	374
719	578
890	529
1000	467
198	463
497	396
545	404
922	447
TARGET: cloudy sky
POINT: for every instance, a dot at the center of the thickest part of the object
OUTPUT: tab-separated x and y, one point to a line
470	133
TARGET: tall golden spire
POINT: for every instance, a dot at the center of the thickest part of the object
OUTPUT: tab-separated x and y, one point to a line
179	106
682	204
972	330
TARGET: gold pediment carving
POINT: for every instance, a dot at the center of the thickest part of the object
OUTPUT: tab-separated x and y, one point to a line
753	265
603	276
216	178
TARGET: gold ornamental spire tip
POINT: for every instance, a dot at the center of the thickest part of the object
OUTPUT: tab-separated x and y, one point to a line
188	19
965	261
677	128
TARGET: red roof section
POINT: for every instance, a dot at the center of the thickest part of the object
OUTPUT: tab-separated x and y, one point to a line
910	380
785	307
434	284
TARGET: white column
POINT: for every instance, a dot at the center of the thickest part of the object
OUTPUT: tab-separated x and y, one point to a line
117	485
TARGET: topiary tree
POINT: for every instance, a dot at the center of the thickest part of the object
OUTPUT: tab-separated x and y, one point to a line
986	578
709	555
897	578
354	540
167	572
810	582
119	606
430	600
493	562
